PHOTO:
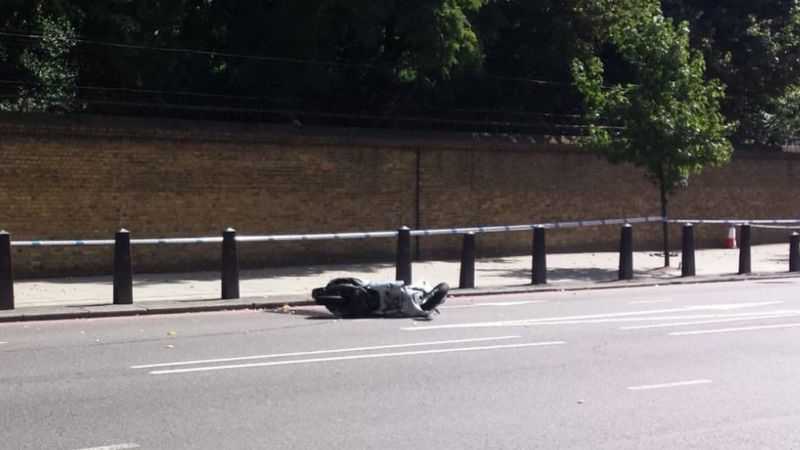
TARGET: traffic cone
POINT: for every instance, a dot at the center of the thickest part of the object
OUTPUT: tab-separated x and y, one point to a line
730	241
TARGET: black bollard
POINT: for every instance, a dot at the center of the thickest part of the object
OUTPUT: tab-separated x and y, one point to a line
403	269
744	250
626	252
230	265
6	272
539	272
794	252
687	258
123	269
467	276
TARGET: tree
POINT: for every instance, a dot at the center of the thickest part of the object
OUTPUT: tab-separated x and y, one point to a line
666	116
47	66
370	54
753	47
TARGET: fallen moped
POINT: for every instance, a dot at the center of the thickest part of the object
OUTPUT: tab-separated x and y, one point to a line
354	297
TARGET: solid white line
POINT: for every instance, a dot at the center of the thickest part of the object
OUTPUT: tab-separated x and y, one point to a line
321	352
558	320
731	330
657	318
705	322
667	385
354	357
3	343
476	305
113	447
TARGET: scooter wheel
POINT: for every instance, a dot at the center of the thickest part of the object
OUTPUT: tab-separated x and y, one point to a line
435	297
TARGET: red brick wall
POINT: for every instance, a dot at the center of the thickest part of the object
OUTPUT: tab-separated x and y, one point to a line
64	178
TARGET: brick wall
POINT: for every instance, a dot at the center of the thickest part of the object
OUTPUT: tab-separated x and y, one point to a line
84	177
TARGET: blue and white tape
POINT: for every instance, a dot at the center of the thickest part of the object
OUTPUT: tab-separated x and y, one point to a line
353	235
755	222
316	237
79	242
528	227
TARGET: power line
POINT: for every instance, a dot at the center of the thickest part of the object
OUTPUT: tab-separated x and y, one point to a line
112	89
338	115
269	58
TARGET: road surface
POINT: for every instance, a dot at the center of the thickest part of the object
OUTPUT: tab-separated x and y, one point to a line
689	366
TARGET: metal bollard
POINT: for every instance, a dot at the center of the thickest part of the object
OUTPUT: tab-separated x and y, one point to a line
403	266
123	269
230	265
467	276
744	250
794	252
626	252
687	257
6	272
539	272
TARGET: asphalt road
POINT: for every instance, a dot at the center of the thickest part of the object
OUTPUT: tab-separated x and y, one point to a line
690	366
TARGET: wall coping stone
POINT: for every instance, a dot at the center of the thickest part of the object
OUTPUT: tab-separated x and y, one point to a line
214	131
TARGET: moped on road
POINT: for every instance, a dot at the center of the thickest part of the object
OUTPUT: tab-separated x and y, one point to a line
354	297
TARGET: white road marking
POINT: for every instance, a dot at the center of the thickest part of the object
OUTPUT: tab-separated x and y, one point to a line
657	318
731	330
731	306
585	318
113	447
354	357
3	343
477	305
648	302
705	322
321	352
668	385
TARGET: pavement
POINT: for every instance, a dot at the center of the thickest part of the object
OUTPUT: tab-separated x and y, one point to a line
80	297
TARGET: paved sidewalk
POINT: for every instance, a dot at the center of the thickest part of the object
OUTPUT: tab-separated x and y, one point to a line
175	292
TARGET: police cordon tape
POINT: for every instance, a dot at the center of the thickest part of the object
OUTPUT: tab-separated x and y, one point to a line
353	235
759	223
123	269
754	222
79	242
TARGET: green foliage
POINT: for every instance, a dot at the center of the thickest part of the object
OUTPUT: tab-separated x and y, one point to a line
666	116
476	59
753	47
781	123
50	67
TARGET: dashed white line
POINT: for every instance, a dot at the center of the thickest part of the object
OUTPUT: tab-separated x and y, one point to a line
706	322
668	385
477	305
355	357
648	302
3	343
584	318
113	447
730	306
321	352
732	330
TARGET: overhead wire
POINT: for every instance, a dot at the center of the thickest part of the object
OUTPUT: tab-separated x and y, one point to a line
269	58
83	40
274	99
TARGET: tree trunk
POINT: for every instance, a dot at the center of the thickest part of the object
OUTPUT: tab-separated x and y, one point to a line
664	224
